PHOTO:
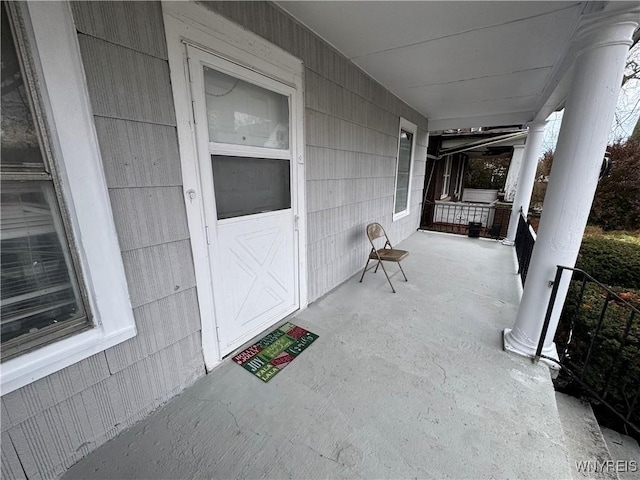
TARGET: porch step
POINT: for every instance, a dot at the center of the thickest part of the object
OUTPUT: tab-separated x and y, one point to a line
584	441
625	451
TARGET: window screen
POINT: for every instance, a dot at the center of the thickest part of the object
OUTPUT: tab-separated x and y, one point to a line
241	113
246	186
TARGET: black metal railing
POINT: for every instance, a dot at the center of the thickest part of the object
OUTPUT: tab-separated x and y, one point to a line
598	342
525	240
463	218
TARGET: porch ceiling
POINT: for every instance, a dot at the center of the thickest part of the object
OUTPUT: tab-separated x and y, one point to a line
461	64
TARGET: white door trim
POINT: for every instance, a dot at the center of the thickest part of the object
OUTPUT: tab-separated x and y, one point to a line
194	24
221	245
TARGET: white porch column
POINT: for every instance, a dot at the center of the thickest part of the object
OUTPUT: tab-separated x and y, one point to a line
589	112
526	178
515	164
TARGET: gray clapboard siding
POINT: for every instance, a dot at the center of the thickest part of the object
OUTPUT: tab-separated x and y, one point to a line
10	463
132	24
50	424
149	216
6	422
330	98
156	272
37	397
50	442
335	133
160	324
127	84
327	164
138	154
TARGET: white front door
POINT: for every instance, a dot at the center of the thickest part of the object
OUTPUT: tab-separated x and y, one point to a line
246	143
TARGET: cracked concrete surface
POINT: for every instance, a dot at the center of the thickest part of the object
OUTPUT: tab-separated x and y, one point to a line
411	385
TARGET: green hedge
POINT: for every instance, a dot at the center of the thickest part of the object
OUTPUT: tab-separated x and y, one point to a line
611	261
613	366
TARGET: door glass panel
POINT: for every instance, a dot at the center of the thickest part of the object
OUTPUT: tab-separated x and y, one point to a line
404	167
241	113
246	186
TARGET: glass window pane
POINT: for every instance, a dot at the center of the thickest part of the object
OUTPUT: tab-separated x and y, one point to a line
38	288
404	167
20	149
246	186
241	113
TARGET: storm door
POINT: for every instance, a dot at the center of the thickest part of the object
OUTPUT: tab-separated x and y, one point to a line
244	142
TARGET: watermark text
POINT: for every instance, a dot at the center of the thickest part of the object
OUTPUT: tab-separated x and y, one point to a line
607	466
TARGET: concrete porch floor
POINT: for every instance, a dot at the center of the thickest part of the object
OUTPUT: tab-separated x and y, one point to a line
411	385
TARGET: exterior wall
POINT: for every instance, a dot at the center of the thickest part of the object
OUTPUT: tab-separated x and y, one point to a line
351	129
50	424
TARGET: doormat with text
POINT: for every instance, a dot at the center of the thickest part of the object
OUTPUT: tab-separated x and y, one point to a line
275	351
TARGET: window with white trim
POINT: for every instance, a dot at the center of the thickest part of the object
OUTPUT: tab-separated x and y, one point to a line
446	177
62	300
404	167
42	298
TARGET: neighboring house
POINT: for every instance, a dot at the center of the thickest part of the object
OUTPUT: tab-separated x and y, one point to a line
448	204
179	177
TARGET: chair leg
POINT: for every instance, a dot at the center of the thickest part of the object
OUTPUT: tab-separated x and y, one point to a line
365	269
376	270
405	277
387	275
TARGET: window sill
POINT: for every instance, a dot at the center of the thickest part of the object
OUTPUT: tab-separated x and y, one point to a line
39	363
400	215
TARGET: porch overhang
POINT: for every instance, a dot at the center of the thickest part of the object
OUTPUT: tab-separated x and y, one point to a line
462	64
